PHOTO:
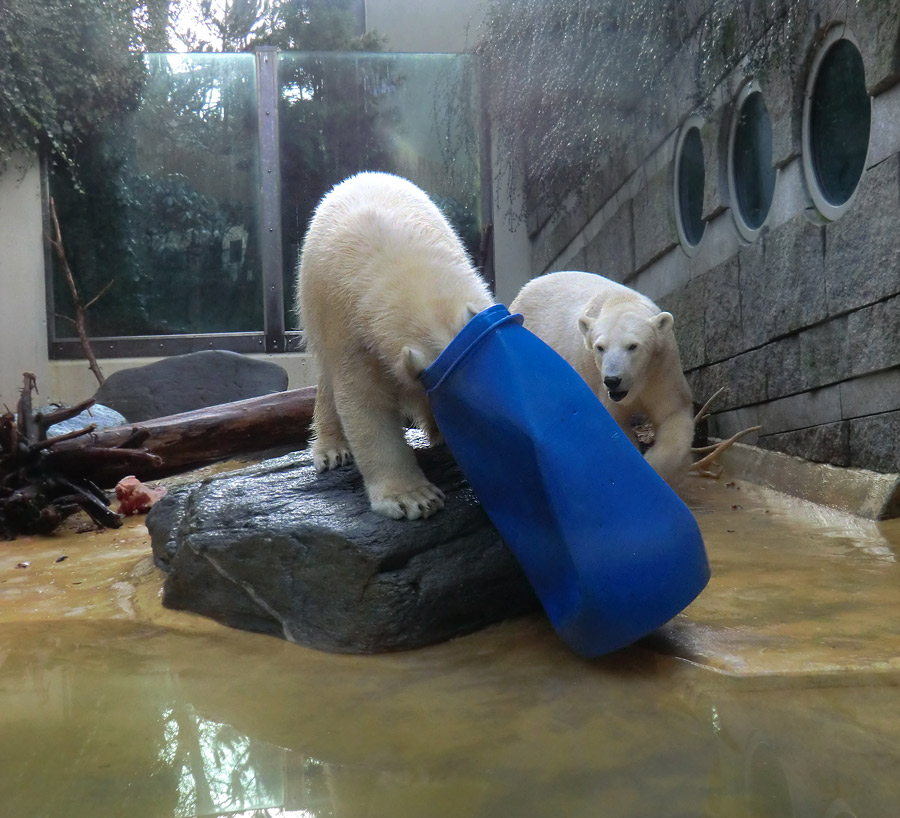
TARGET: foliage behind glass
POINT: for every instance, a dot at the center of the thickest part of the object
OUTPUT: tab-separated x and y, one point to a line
168	210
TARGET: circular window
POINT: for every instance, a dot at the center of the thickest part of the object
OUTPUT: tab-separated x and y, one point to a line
690	179
836	125
751	174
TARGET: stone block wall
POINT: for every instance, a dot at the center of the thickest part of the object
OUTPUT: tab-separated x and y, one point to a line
801	326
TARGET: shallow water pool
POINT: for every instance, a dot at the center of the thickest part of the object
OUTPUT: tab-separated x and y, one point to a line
775	694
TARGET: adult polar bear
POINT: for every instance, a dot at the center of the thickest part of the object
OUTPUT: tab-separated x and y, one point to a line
622	344
384	285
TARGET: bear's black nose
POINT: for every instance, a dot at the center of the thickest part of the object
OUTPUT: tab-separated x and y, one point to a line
611	383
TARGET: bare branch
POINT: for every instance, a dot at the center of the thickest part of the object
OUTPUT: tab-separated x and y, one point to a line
709	466
97	297
80	325
48	419
52	441
704	412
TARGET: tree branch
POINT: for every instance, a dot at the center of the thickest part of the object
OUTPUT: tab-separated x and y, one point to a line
80	324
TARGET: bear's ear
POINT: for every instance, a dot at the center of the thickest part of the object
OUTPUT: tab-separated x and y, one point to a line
414	361
466	314
664	321
585	322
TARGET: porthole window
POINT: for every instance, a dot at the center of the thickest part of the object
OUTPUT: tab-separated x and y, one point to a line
837	117
690	180
751	174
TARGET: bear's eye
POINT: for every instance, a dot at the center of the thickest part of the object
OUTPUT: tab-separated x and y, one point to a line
632	347
600	348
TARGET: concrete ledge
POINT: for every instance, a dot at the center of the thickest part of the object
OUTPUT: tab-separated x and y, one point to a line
868	494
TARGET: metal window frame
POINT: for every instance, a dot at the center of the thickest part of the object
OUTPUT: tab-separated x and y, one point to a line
274	337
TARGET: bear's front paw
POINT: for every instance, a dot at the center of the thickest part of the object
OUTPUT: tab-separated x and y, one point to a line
330	456
420	502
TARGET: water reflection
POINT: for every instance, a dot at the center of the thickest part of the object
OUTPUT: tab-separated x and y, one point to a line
113	706
219	770
116	719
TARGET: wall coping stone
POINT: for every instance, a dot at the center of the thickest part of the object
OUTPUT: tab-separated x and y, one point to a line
864	493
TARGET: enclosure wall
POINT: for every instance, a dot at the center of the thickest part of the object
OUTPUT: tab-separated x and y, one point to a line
798	320
23	323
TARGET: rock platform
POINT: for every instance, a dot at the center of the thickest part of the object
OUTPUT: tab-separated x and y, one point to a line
279	549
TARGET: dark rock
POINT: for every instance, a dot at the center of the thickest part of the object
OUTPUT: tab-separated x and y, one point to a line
186	382
163	521
279	549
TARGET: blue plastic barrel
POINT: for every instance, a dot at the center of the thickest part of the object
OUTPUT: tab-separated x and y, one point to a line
611	550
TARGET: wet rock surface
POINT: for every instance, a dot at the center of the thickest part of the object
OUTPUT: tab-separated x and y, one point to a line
183	383
280	549
101	416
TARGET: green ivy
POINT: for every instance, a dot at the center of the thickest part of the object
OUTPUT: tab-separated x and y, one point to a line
66	66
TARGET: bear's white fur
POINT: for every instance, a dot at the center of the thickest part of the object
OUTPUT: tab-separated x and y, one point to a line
622	344
384	285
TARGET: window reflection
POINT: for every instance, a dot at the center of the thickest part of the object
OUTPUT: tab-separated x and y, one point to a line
218	769
163	217
691	181
221	772
161	202
415	115
752	170
840	120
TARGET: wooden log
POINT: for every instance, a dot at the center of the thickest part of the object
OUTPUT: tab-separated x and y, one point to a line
193	439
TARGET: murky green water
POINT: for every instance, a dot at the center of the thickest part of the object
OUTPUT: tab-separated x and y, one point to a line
110	706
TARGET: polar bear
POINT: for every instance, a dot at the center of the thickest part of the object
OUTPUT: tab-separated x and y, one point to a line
622	344
384	285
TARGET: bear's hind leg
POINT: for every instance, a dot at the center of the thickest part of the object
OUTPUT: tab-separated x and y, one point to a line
373	423
329	447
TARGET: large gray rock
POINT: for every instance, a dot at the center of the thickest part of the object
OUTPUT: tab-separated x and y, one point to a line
183	383
279	549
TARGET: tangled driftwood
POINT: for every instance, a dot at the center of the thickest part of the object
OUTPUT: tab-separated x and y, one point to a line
44	480
42	483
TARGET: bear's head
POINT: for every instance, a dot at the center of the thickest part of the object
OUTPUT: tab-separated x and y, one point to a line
416	358
626	340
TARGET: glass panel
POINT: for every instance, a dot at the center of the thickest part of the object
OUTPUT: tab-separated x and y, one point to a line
691	180
166	213
416	115
839	122
754	176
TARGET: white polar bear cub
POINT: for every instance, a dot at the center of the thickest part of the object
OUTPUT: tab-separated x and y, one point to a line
384	285
622	344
